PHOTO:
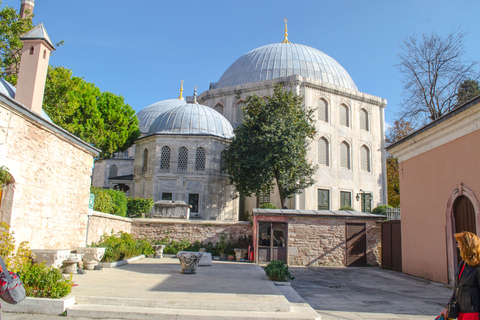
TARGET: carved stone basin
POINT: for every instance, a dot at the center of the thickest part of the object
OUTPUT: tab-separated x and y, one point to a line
70	264
158	250
92	253
51	257
189	261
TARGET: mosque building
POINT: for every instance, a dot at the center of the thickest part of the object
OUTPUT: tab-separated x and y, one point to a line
177	156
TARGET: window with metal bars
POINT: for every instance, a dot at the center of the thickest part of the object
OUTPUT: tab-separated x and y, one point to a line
323	156
182	158
323	199
344	155
145	160
262	198
165	158
344	116
367	202
345	198
365	158
239	113
219	108
322	107
200	159
364	119
167	196
113	171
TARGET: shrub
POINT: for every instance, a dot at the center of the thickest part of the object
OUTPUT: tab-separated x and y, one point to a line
110	201
41	281
137	207
278	271
119	199
268	206
347	208
243	242
121	246
381	209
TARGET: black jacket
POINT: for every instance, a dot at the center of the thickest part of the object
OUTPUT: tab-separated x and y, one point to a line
467	289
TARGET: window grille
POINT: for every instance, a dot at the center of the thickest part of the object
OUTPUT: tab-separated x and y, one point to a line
344	119
322	107
364	119
262	198
113	171
145	160
240	114
200	160
182	158
367	202
165	158
125	154
345	199
219	108
323	199
344	155
365	158
323	152
167	196
193	200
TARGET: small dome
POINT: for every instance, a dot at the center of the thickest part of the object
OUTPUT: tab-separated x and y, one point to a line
192	119
147	115
280	60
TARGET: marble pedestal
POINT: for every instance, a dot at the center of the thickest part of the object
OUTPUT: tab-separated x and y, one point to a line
189	261
206	259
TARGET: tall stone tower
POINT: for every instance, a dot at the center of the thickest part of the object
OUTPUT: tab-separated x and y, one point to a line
26	8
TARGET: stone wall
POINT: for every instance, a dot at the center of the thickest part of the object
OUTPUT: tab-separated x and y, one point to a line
321	241
100	223
47	204
203	231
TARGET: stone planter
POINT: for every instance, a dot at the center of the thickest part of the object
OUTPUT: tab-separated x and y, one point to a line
91	256
240	254
70	265
189	261
51	257
158	250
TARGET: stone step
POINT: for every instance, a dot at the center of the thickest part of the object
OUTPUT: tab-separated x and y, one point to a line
96	311
222	302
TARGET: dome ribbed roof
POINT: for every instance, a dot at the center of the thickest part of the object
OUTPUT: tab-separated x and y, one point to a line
192	119
147	115
282	60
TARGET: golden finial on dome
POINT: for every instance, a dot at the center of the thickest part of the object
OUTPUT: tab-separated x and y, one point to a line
181	91
285	40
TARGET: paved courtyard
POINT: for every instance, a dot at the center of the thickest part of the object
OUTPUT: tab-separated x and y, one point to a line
368	293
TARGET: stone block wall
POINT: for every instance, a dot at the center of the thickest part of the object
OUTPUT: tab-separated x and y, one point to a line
47	204
100	223
322	242
203	231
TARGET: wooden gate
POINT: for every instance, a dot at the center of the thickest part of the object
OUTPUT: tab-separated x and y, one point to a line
356	244
392	245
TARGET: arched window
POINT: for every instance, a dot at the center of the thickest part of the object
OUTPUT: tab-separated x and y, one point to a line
200	160
365	158
344	155
344	116
44	54
219	108
31	50
145	161
323	155
239	114
363	119
165	158
182	158
322	107
113	171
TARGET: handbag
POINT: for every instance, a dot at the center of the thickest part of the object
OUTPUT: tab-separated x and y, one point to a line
452	309
11	287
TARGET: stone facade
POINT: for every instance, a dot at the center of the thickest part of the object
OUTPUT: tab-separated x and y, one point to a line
102	223
322	242
203	231
47	204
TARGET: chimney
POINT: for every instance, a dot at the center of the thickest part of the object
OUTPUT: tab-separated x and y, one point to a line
33	68
26	9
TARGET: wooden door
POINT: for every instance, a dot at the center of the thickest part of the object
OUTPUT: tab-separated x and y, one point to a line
464	215
272	241
356	244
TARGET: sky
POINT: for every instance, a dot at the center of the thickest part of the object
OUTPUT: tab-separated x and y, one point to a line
141	50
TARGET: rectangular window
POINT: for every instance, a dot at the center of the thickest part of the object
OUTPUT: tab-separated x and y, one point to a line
167	196
367	202
323	199
193	201
263	198
345	199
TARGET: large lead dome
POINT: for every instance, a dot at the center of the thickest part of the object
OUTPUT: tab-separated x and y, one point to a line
147	115
282	60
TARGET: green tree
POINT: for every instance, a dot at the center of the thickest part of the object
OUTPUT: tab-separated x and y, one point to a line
467	90
270	146
399	130
102	119
11	28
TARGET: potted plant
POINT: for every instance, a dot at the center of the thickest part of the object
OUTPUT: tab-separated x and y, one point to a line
222	246
231	255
